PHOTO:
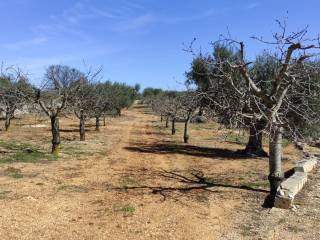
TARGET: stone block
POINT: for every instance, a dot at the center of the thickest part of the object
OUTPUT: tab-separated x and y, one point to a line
306	165
289	189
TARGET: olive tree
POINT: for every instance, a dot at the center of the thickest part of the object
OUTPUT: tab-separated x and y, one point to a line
189	103
58	86
83	100
206	76
14	92
288	89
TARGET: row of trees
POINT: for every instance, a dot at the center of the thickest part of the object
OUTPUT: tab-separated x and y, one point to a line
174	106
275	95
65	90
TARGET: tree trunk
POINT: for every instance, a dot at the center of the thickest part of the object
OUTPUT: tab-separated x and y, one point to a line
275	154
82	129
55	135
254	145
186	135
173	130
97	124
167	122
119	112
161	118
8	121
104	121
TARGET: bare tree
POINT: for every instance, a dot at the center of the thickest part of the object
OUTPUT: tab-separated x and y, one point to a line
82	105
14	92
83	100
189	103
58	86
205	74
288	90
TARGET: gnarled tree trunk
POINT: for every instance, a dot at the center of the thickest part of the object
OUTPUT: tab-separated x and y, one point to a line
119	112
167	122
9	116
8	121
82	129
275	155
55	134
254	145
173	129
186	135
97	124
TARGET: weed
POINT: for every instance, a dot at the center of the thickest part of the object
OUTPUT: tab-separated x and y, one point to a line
3	194
23	153
237	138
127	181
126	209
13	172
294	229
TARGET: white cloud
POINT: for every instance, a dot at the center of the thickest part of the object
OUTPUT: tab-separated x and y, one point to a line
135	23
252	5
26	43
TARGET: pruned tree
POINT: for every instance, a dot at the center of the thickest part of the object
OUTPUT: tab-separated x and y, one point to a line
173	108
205	73
288	89
14	92
60	83
83	100
189	104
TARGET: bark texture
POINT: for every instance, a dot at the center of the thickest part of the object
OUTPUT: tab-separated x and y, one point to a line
8	121
97	124
275	156
254	145
167	122
55	134
186	135
82	129
173	129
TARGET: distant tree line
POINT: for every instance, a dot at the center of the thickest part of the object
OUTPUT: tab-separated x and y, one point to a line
64	90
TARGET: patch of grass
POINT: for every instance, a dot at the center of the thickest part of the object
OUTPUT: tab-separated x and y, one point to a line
75	151
13	172
126	181
21	152
12	145
294	229
126	209
4	194
286	142
237	138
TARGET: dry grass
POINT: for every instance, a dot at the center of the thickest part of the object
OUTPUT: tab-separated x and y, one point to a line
132	180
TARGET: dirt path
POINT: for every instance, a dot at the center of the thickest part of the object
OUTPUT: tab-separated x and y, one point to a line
136	182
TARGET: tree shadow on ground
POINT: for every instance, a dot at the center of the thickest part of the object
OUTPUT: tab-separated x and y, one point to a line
75	130
196	151
193	181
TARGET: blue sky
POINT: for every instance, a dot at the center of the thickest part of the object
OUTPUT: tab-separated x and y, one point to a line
136	41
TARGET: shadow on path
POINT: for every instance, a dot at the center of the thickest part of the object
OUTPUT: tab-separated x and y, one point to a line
195	181
172	148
